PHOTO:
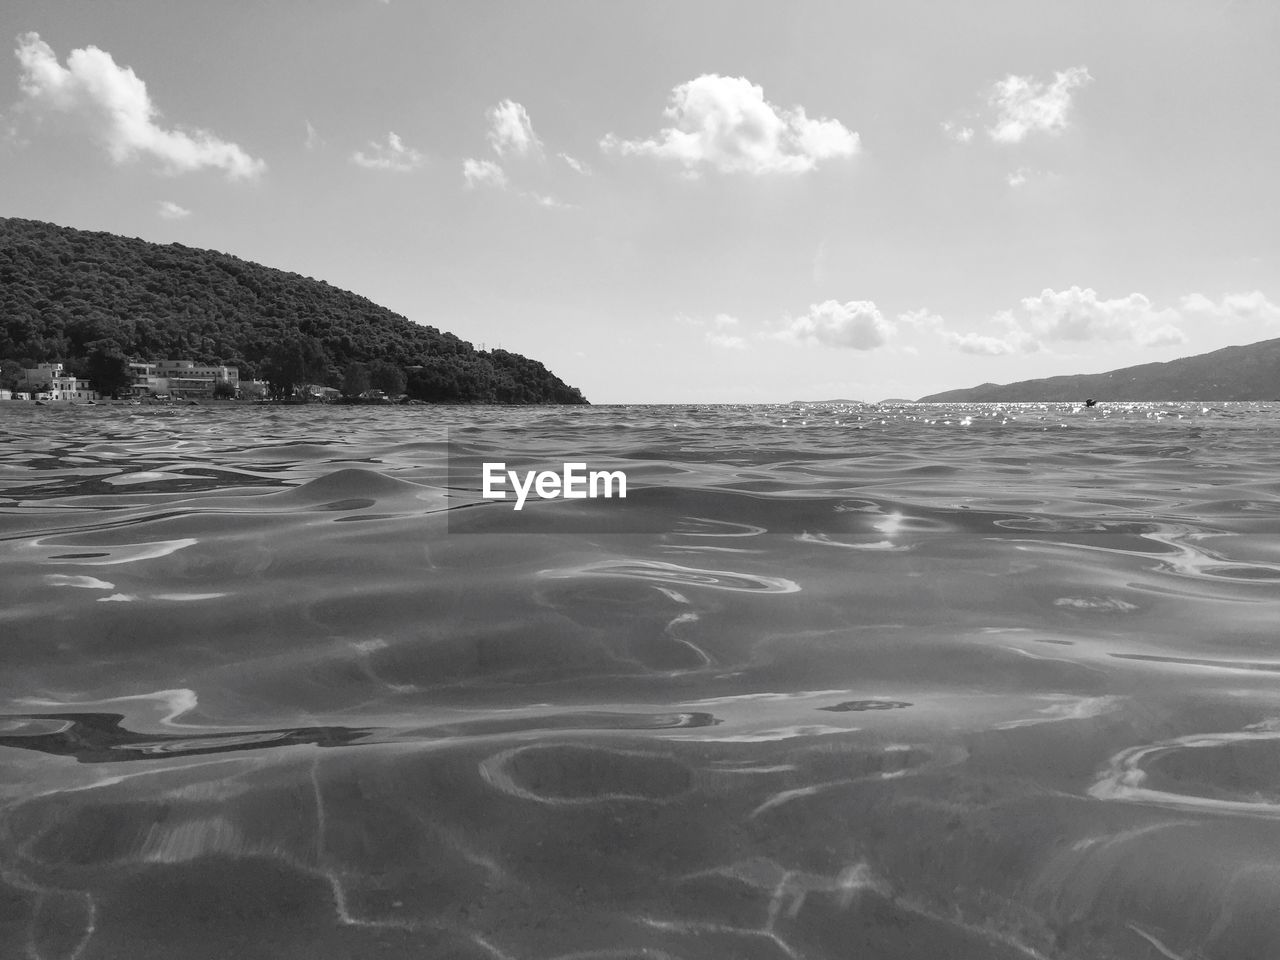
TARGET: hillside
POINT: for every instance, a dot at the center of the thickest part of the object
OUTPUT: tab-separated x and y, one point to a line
66	294
1249	372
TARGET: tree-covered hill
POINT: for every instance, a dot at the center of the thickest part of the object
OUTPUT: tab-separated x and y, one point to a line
69	294
1249	372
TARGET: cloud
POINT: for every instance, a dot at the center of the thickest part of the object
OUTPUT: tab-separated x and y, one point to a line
1078	316
1031	178
483	173
1024	105
957	131
1072	316
1251	307
856	325
726	124
921	319
546	200
726	340
719	334
313	137
928	322
393	156
486	173
172	211
511	131
511	136
975	343
116	105
576	165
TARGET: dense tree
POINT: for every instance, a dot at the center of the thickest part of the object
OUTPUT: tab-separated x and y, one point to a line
224	390
355	379
62	290
386	377
107	368
292	363
434	381
10	374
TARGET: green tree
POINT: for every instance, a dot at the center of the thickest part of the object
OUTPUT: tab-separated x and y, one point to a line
224	390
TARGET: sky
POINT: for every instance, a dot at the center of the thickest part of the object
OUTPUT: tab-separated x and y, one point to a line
692	202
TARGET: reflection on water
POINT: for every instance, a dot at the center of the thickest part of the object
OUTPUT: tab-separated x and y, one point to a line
99	737
985	681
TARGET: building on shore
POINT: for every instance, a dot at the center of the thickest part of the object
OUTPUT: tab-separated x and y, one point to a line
172	379
181	379
50	381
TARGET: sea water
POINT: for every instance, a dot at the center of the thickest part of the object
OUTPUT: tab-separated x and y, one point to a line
901	681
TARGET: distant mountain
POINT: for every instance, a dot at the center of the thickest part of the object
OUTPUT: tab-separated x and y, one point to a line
1249	372
839	402
66	294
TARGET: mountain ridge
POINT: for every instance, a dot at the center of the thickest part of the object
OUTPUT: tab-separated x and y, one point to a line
1244	372
65	292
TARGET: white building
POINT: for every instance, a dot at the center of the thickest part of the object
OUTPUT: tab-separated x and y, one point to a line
49	381
190	370
180	379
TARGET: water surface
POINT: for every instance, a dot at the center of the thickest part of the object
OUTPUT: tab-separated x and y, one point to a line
983	681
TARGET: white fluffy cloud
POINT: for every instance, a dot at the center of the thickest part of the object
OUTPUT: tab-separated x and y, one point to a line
172	211
511	130
483	173
1024	105
511	136
1077	315
1069	316
927	322
1250	307
726	124
392	156
856	325
116	105
980	345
